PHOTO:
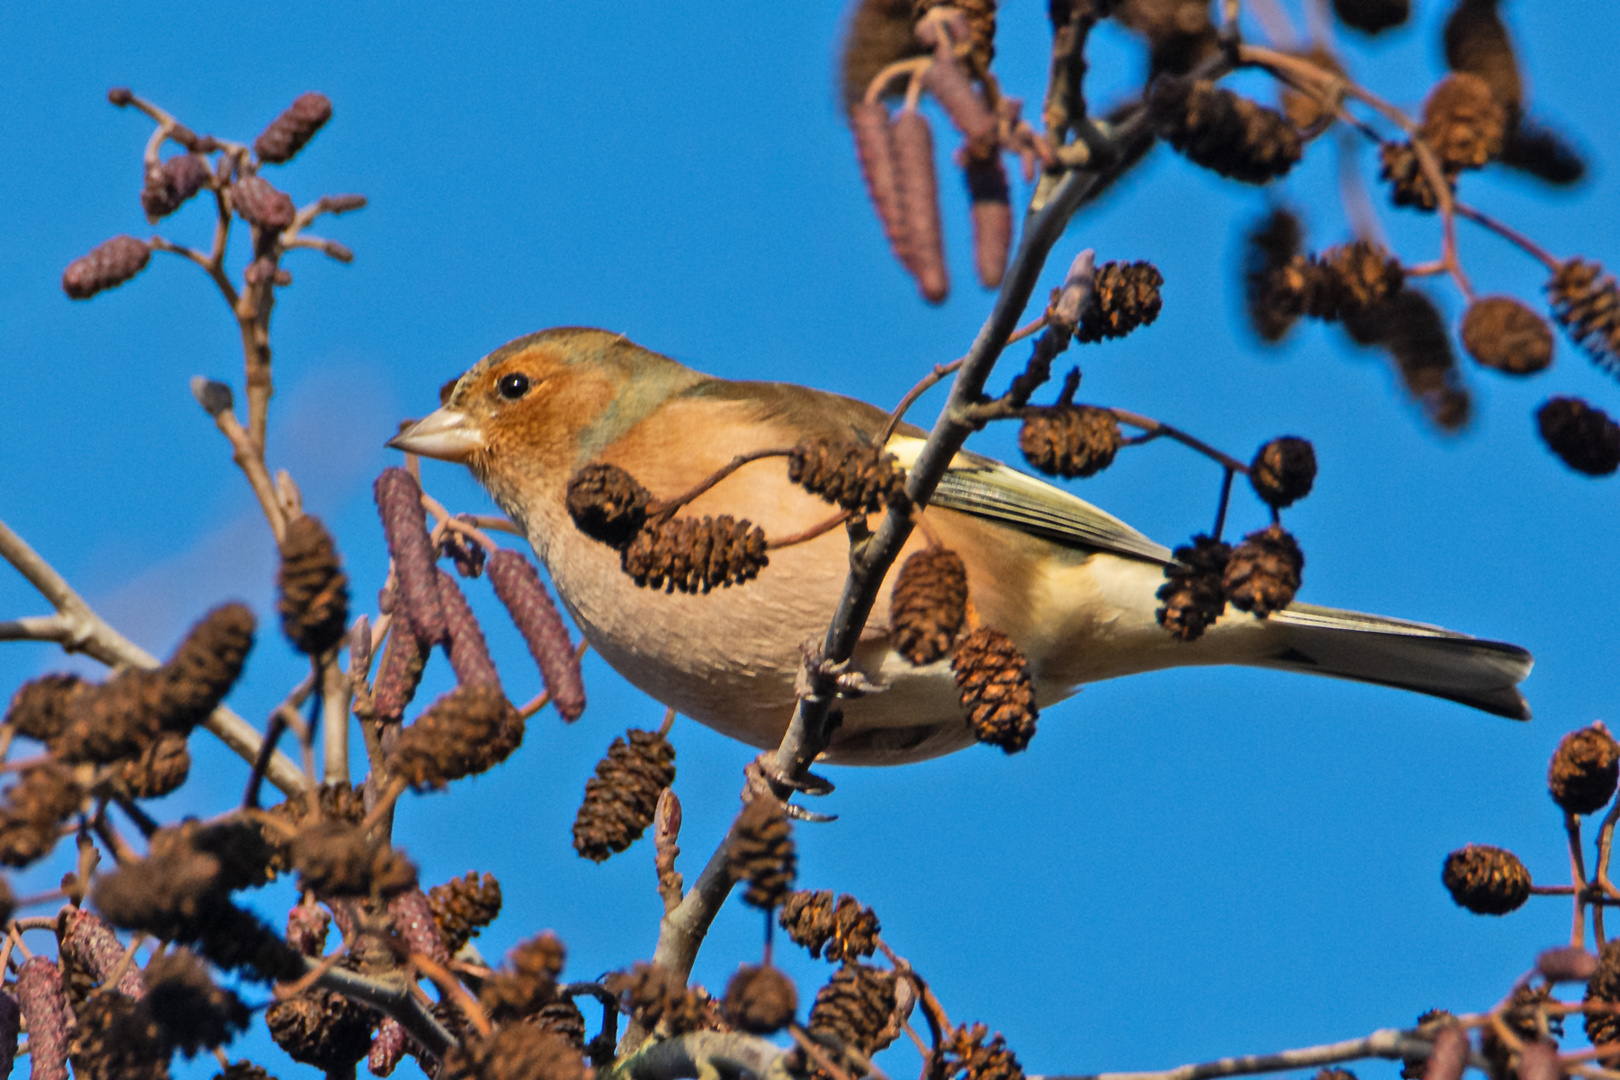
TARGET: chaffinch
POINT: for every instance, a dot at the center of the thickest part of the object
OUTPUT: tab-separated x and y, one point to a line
1072	586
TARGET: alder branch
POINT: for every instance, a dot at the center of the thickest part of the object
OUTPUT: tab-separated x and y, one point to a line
1390	1043
706	1054
390	996
77	628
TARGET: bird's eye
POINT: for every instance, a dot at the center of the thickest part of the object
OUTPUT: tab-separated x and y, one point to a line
513	386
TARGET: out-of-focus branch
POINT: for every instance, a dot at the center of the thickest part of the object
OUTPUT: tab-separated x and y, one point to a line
1390	1043
391	996
77	628
706	1054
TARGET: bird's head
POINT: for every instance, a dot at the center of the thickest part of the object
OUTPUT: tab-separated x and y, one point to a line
528	415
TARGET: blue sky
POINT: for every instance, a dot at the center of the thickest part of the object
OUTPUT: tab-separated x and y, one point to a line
1184	865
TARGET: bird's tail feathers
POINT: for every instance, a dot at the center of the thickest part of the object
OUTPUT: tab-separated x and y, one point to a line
1393	652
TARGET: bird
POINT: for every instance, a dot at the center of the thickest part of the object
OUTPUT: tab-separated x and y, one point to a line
1073	586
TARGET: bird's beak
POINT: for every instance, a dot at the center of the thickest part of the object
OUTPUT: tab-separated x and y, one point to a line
444	434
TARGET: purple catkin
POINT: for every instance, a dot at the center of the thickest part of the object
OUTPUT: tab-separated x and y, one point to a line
414	923
387	1048
89	942
399	673
869	122
919	204
518	586
399	501
45	1009
10	1024
468	652
955	94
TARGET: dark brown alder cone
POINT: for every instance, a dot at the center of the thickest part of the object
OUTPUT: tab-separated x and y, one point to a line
1123	297
312	590
514	1052
969	1057
1501	333
992	678
288	132
923	246
760	1000
1270	244
855	1006
879	33
1070	440
117	1039
517	585
1584	770
848	474
1215	128
399	502
562	1018
607	504
322	1029
1544	153
659	996
35	807
1477	42
696	555
1263	573
1486	880
206	665
1463	122
1586	303
174	182
40	707
991	207
527	981
467	731
1283	470
44	1008
1585	438
463	906
1363	276
1409	184
161	768
762	852
928	604
108	264
1372	16
846	930
334	859
1412	330
1179	32
117	719
192	1011
1602	1028
621	797
261	205
399	673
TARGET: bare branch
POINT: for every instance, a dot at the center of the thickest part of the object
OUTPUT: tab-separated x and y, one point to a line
1390	1043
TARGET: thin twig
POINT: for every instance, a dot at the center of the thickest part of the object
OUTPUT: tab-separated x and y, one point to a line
1388	1043
82	630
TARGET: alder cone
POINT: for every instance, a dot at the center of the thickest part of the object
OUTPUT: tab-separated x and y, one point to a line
607	503
1227	134
1477	42
1271	243
855	1005
850	475
463	906
206	665
261	205
1584	770
621	798
1409	184
313	590
1372	16
322	1029
992	677
1463	122
40	707
1193	594
1586	303
288	132
696	555
1501	333
1123	297
1263	573
1283	471
845	929
1070	440
1486	880
760	1000
161	768
879	34
928	604
1586	438
175	181
971	1057
108	264
1603	1028
762	852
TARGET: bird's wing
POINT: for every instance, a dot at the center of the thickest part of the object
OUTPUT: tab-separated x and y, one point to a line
986	488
